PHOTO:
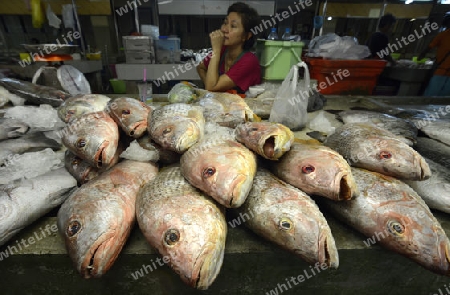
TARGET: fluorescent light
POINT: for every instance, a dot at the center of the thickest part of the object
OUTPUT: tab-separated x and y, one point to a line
329	18
413	19
409	1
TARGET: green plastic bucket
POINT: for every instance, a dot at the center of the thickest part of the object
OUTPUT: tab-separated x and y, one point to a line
277	57
119	86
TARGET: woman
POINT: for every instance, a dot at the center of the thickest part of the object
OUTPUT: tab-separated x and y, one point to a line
379	41
231	66
439	84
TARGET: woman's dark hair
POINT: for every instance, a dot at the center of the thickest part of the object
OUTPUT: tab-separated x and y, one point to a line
250	19
386	20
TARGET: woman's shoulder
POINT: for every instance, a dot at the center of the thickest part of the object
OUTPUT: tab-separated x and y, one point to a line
251	57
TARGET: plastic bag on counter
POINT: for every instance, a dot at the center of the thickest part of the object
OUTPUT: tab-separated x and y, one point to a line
182	93
333	46
291	101
67	16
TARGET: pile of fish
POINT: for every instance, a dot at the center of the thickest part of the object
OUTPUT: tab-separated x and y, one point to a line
175	169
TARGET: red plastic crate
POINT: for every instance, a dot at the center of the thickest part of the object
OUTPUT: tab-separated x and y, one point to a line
345	77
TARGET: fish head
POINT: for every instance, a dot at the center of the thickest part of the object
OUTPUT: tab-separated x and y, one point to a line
178	133
412	230
93	137
296	223
78	168
322	171
225	171
269	140
93	240
130	114
70	111
390	157
194	243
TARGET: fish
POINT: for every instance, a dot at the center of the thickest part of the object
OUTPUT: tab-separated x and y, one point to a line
82	170
130	114
96	219
269	140
185	226
221	167
176	126
28	143
435	191
375	149
38	118
393	215
316	169
225	109
163	156
23	202
81	104
289	218
436	129
433	150
93	137
6	96
12	128
34	93
30	165
397	126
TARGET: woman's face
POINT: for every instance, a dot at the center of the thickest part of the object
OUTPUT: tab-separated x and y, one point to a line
233	30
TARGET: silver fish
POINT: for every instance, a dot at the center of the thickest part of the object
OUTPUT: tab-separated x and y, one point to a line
81	104
23	202
12	128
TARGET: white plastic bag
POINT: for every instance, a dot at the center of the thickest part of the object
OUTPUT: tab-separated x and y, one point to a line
291	101
53	20
68	16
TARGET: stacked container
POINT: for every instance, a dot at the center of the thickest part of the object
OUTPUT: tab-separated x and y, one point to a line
139	49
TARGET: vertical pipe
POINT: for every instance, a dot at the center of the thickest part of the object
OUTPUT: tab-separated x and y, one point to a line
116	27
324	15
382	10
315	14
83	48
136	17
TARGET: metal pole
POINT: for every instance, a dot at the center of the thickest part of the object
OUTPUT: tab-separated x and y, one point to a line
83	48
315	14
382	10
136	17
324	15
116	26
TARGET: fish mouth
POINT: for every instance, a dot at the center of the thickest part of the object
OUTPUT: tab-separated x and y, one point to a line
207	266
425	171
90	266
269	147
345	190
444	247
100	155
137	129
189	138
238	195
328	253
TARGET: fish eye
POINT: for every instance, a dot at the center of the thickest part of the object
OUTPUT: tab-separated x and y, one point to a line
396	228
73	228
171	237
81	143
76	161
70	112
126	112
167	130
285	224
308	169
385	155
208	172
255	129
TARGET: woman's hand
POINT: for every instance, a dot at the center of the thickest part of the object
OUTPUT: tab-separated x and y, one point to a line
217	39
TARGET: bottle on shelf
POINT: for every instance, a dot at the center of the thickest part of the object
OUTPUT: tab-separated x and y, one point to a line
273	34
287	35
